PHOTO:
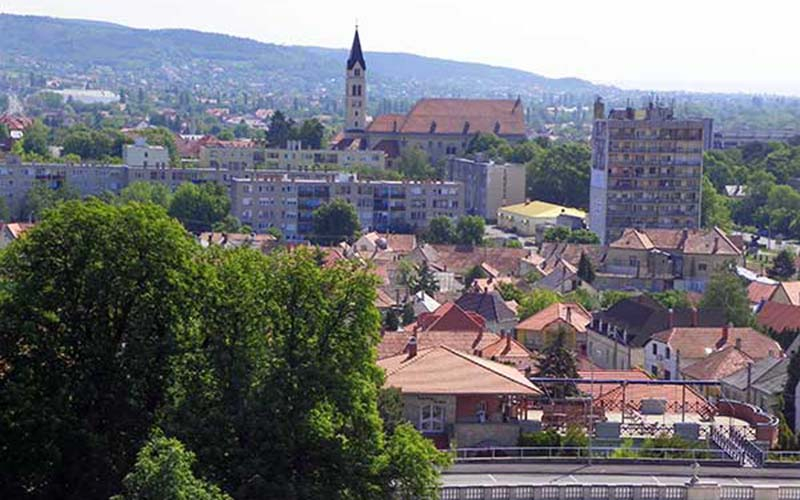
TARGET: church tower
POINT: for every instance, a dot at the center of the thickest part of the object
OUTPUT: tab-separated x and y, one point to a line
356	90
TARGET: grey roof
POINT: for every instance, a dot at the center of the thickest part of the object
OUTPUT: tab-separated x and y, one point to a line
490	305
356	56
761	372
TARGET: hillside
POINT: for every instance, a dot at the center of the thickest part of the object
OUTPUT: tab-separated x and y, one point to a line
114	52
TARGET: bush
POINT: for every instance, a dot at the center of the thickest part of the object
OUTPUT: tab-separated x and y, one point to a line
542	439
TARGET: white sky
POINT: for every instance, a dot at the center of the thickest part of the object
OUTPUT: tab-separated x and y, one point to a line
704	45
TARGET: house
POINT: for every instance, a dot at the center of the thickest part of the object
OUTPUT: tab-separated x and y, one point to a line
543	327
424	303
12	231
450	317
262	242
671	351
663	259
460	259
616	336
787	292
760	291
451	395
499	316
779	318
759	383
374	242
562	278
552	253
530	217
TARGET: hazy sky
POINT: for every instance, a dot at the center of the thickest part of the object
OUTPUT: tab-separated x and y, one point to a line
708	45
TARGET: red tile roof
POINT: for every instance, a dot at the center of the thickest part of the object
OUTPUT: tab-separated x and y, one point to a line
443	370
579	317
699	342
460	259
718	365
457	116
450	317
633	239
15	122
16	229
757	292
779	317
694	241
393	343
792	290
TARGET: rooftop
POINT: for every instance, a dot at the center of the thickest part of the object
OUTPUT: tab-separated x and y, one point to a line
543	210
569	312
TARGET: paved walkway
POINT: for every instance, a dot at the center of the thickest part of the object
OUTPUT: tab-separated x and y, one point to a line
529	474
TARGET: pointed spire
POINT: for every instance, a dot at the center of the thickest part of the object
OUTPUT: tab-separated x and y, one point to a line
356	56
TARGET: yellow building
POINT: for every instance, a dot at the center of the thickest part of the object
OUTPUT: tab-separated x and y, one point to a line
525	218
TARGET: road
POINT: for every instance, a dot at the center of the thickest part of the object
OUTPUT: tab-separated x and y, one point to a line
531	474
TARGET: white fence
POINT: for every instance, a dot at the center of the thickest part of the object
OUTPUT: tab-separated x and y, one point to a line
619	492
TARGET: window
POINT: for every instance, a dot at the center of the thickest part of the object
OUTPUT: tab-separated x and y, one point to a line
702	266
431	418
358	72
668	353
655	349
654	370
667	375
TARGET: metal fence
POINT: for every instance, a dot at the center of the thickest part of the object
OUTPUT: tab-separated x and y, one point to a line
609	492
596	452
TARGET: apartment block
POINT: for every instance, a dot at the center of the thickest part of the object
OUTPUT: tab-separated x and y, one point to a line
294	157
487	185
647	170
141	154
288	200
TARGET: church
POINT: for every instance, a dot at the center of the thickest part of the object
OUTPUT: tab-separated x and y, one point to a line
440	127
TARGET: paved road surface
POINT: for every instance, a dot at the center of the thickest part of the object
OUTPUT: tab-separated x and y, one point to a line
525	474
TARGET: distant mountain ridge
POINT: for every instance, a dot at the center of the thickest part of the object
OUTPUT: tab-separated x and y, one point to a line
187	55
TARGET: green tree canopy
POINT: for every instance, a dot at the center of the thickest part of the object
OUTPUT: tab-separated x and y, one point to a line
783	266
558	361
415	164
199	207
35	140
146	192
334	222
672	299
280	130
423	280
311	133
586	269
440	231
535	301
97	304
470	230
714	208
42	198
725	290
163	471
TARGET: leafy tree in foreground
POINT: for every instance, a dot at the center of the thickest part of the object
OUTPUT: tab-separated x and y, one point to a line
41	198
163	471
199	207
413	464
97	305
335	222
783	266
726	291
714	209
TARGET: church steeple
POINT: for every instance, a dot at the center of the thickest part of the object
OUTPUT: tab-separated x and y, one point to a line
356	90
356	56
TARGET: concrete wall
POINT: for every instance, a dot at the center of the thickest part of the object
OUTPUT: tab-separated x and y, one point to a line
493	434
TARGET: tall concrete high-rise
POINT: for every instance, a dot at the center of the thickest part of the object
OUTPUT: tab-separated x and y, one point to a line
647	170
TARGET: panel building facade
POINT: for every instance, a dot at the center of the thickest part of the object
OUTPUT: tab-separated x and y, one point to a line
647	170
287	201
487	185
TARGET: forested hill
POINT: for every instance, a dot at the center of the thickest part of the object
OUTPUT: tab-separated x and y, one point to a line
185	56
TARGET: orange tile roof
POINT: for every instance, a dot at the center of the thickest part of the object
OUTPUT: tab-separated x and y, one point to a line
456	116
17	228
461	259
383	300
633	239
718	365
394	343
580	317
598	388
699	342
779	317
450	317
792	290
673	394
443	370
757	292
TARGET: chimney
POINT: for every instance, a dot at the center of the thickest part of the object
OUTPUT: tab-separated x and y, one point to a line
738	343
569	314
411	346
478	338
695	319
671	319
725	332
716	244
508	341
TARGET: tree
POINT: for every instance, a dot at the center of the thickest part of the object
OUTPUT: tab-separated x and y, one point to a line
41	198
509	292
789	401
334	222
583	236
199	207
714	208
311	133
415	164
556	234
726	291
586	269
560	175
390	321
163	471
672	299
280	130
35	139
610	297
390	408
231	224
470	230
241	130
424	280
440	231
535	301
476	272
275	232
408	314
146	192
4	133
161	136
783	266
558	362
413	464
100	303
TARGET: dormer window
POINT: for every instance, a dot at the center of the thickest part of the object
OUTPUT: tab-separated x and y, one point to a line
433	127
496	128
357	72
